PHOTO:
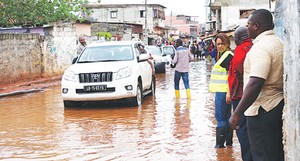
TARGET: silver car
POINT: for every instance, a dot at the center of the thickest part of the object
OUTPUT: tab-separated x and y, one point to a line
162	56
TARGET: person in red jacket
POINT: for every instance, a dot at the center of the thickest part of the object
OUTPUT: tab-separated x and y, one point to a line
235	82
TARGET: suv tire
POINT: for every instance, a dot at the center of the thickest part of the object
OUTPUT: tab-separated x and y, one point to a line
153	86
163	69
137	100
71	104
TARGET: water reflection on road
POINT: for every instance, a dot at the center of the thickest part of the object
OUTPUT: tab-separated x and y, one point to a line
37	127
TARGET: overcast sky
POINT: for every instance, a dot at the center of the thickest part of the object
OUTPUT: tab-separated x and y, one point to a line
186	7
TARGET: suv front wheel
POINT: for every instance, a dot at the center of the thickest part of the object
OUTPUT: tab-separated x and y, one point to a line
72	104
153	86
137	100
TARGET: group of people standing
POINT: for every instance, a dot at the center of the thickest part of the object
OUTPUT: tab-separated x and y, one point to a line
201	49
248	87
251	81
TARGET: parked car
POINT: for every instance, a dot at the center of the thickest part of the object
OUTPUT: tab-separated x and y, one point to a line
109	71
162	56
169	52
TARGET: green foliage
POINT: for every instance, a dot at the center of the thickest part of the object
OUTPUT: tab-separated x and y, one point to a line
106	35
39	12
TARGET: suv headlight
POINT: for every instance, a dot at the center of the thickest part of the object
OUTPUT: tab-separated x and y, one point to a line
123	73
69	76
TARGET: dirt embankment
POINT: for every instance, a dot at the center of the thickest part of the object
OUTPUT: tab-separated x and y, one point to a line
40	83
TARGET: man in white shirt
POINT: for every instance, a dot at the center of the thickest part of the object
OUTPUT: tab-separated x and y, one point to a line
263	100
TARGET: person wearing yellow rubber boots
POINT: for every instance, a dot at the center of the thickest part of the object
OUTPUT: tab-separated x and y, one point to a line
182	59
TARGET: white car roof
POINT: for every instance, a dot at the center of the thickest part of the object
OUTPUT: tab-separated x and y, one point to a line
113	43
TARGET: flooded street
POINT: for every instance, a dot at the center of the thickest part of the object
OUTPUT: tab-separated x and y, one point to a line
36	126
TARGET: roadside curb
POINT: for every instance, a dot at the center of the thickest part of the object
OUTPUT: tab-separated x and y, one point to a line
20	92
30	86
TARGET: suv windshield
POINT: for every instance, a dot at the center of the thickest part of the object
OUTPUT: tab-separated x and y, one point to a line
106	53
168	50
154	50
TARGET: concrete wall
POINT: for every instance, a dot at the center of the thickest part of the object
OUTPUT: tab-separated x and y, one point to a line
59	49
21	57
83	29
287	26
27	56
39	30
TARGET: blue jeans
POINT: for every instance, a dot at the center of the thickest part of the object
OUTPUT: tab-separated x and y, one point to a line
185	78
222	110
242	134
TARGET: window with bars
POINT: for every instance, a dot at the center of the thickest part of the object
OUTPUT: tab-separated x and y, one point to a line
244	14
142	14
113	14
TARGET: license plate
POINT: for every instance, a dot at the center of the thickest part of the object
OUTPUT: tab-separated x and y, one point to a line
96	88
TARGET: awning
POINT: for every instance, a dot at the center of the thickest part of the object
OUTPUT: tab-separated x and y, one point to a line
215	5
152	36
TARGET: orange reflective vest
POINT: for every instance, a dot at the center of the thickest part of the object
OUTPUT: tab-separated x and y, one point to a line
219	76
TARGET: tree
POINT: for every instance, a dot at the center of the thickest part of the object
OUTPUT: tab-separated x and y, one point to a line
106	35
40	12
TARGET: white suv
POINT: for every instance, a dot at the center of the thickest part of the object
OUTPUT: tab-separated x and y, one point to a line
109	71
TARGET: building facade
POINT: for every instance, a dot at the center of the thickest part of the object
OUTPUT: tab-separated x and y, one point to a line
227	14
150	16
187	26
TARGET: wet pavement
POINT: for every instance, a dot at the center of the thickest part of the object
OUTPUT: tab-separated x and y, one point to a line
36	126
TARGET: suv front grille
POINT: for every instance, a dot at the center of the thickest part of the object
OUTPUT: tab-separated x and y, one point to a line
95	77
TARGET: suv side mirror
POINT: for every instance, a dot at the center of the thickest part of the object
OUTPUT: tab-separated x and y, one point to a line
74	60
172	56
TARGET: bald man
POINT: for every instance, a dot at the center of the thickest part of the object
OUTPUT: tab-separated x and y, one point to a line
81	45
236	82
262	101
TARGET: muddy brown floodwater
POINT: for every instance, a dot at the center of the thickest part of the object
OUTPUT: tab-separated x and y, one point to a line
36	126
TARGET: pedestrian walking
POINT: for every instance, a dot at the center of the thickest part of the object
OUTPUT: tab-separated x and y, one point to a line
195	50
201	52
263	100
182	59
219	85
213	55
235	82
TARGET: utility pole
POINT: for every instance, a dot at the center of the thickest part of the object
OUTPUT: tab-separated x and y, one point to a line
171	22
206	8
146	27
106	24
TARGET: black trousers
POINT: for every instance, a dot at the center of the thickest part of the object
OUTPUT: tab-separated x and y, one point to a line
265	134
242	134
